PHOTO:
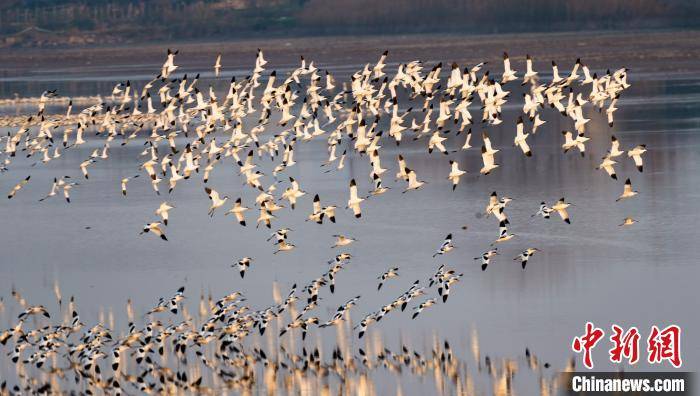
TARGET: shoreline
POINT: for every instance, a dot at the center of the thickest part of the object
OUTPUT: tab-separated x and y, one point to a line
674	50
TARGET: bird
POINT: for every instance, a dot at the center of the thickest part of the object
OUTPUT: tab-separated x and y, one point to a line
425	304
413	182
636	155
544	211
18	187
342	240
488	160
578	143
607	166
354	201
34	310
530	75
525	256
521	138
217	66
508	73
318	213
284	246
242	265
280	235
446	246
615	147
265	115
163	210
388	274
560	208
486	258
379	189
628	221
155	229
216	201
238	210
627	191
455	174
293	193
124	182
503	234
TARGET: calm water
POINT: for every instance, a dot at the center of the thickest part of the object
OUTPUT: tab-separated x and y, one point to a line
591	270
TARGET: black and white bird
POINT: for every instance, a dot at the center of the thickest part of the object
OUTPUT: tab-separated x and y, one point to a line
486	258
154	228
636	155
455	174
544	211
446	246
18	187
355	200
627	192
425	304
243	265
238	210
503	234
525	256
388	274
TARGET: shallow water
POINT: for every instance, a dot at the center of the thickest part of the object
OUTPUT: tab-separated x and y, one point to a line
591	270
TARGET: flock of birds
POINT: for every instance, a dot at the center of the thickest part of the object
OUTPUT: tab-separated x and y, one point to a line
188	131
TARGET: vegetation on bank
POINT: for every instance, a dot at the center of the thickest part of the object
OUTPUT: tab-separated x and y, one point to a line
60	22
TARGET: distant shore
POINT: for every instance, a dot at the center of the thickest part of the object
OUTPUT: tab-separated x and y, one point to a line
650	51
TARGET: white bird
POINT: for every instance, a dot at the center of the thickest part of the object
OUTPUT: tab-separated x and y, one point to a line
530	75
560	208
607	166
489	161
155	229
570	142
18	187
217	66
355	200
163	210
342	240
169	65
124	182
636	155
627	192
284	246
237	210
293	193
628	222
615	147
455	174
521	137
413	182
216	201
508	73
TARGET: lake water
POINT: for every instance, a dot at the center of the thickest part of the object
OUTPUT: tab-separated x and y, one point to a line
592	270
